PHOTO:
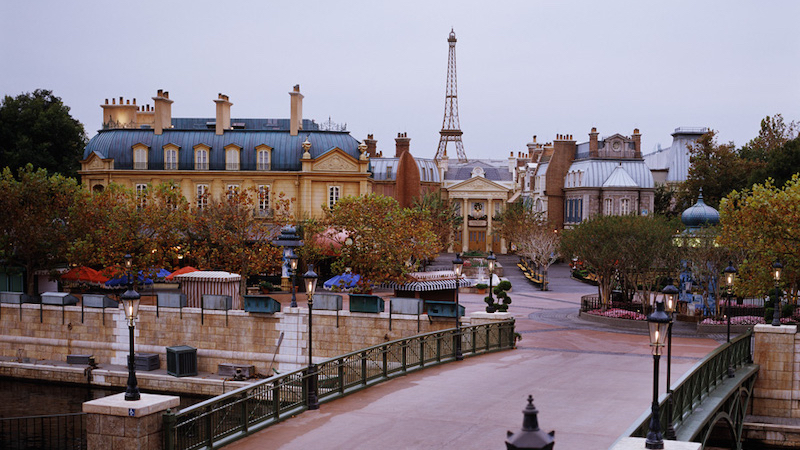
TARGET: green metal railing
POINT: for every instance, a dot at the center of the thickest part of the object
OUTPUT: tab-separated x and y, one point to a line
696	385
228	417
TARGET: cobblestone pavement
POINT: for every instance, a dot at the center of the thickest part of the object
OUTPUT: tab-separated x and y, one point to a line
590	382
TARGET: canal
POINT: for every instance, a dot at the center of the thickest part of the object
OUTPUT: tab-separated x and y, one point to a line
19	398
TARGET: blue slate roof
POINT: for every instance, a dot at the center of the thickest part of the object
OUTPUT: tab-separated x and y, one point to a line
194	123
287	150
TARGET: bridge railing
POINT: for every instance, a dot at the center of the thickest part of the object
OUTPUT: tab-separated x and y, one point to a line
228	417
692	388
62	431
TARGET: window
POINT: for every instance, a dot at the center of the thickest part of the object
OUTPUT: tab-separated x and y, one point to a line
608	207
263	201
333	195
232	189
624	206
170	159
140	158
201	159
388	172
263	162
232	159
202	196
141	196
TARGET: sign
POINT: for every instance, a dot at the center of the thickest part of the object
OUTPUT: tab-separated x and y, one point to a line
131	412
477	223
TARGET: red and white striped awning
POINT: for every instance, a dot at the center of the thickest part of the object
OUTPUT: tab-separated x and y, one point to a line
197	284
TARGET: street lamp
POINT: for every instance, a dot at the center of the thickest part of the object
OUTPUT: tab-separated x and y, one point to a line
658	323
491	260
293	259
670	300
730	277
310	279
777	267
130	303
458	266
289	240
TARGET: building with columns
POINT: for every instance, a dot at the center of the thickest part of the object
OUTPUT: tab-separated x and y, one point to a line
140	145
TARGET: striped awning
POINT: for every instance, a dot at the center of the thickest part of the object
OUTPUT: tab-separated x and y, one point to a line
430	285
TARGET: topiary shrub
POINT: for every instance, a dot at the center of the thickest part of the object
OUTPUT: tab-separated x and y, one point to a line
503	300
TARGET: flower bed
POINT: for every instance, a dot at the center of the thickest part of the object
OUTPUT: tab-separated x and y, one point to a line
618	314
746	320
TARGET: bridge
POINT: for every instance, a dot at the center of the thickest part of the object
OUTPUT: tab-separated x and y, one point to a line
709	403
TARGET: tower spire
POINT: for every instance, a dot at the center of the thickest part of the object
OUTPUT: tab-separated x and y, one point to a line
451	127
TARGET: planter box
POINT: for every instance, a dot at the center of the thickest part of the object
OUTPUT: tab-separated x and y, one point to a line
182	361
83	360
224	302
328	302
171	300
229	370
59	298
99	301
366	303
444	309
261	304
11	297
412	306
146	361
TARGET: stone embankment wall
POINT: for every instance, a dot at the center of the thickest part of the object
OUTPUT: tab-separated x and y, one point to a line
242	338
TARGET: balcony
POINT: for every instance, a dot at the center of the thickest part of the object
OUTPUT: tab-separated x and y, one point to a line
263	166
266	213
139	165
232	166
171	166
200	166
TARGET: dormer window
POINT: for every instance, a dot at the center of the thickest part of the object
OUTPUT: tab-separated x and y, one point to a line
263	157
140	157
232	160
170	157
201	157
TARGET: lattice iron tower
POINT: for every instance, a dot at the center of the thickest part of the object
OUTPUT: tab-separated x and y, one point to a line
451	127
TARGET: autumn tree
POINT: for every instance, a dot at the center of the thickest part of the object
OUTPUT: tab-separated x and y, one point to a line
533	236
39	212
763	224
226	235
441	215
378	238
149	224
36	128
775	152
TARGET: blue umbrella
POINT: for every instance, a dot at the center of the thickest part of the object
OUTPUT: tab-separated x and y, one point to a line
343	281
122	281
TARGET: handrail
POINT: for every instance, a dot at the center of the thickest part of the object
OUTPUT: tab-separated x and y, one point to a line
695	385
46	431
233	415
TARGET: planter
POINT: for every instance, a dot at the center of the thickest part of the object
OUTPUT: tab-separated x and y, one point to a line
366	303
261	304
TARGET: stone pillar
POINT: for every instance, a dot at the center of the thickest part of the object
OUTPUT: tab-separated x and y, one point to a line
113	423
465	227
489	245
777	389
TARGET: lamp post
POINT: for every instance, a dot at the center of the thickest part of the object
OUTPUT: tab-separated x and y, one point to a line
730	276
658	324
777	267
289	240
130	303
310	279
458	265
293	259
492	260
670	300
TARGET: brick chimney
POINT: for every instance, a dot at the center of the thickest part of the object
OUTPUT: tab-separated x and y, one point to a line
593	143
402	144
163	111
372	146
223	113
637	143
296	118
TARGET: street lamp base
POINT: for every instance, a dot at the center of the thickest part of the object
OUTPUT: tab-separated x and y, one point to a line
312	401
132	395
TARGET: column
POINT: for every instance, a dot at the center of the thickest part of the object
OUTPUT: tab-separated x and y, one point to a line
114	423
489	235
465	227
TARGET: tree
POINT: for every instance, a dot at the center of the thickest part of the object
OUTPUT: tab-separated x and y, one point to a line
378	238
775	152
149	225
763	223
717	169
441	215
39	212
226	235
36	128
532	234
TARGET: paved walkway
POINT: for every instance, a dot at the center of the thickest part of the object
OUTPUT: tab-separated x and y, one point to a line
589	383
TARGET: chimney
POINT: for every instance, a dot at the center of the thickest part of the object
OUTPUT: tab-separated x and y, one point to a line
223	114
372	145
296	118
402	144
163	111
637	142
593	143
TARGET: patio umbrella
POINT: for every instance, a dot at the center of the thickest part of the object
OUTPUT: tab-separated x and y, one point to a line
84	274
122	281
343	281
181	271
161	274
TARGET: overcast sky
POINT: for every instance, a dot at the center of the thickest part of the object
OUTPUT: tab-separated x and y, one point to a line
524	67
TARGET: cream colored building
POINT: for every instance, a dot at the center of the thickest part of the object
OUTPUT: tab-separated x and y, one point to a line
207	157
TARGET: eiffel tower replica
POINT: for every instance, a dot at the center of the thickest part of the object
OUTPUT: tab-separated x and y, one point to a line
451	128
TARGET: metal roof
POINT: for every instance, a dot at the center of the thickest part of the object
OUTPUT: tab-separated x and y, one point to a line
619	178
494	169
597	171
381	165
286	153
199	123
699	214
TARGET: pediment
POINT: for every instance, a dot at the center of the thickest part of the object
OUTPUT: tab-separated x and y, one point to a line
335	160
478	184
96	162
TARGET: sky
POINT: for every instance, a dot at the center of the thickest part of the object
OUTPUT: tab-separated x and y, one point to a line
525	68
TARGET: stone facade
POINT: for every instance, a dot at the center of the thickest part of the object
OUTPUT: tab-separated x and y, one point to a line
777	389
115	424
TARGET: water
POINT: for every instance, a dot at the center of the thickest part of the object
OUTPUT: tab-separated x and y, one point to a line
19	398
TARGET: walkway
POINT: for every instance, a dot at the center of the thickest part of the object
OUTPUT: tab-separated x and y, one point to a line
589	384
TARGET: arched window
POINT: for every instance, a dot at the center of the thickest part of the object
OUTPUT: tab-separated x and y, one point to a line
170	159
608	207
231	159
201	159
624	206
263	159
140	158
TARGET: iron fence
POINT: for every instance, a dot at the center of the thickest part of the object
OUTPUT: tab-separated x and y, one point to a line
59	431
592	302
228	417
